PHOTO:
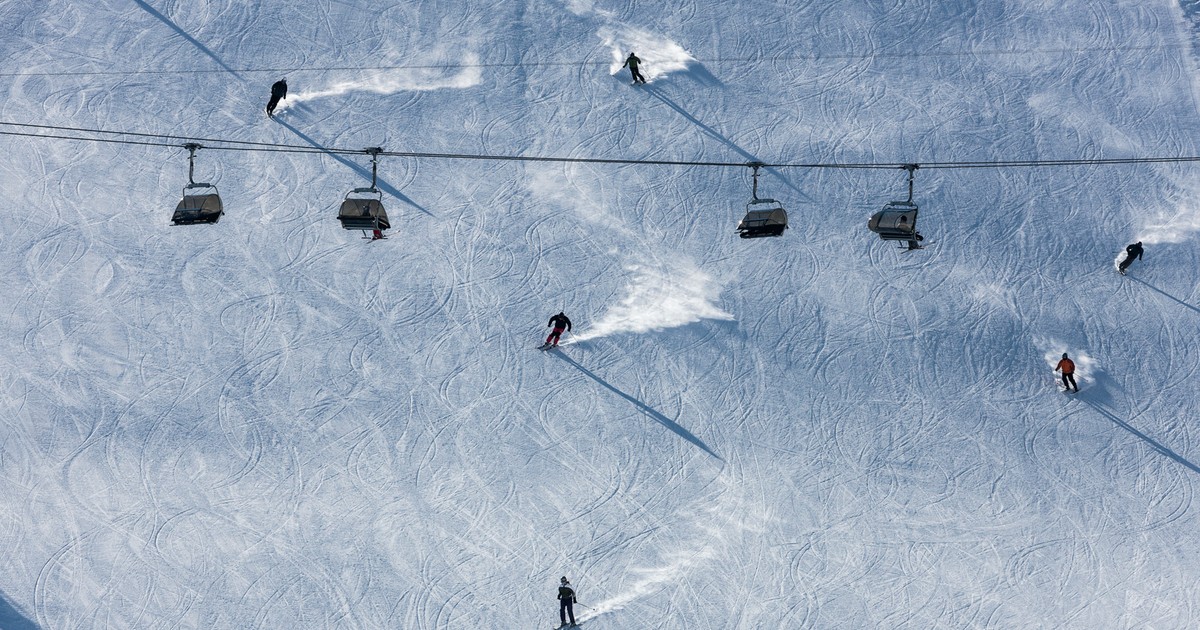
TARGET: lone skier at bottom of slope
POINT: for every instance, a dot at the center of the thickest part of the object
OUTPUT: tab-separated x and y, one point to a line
1067	367
1131	252
557	325
566	602
632	62
278	91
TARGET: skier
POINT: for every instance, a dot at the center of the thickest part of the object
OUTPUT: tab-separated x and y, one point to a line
1067	367
915	241
278	91
632	63
566	601
1131	252
557	324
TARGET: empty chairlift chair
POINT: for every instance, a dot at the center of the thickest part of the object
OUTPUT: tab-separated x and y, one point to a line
362	209
201	202
898	219
764	217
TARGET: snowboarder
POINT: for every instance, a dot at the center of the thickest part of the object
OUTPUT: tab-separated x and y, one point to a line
632	63
1131	252
1067	367
557	325
278	91
566	602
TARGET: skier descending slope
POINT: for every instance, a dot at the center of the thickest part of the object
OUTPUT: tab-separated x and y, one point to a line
557	325
1131	252
1067	367
278	91
566	601
632	63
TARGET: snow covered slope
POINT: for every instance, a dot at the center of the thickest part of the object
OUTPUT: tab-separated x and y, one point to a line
271	423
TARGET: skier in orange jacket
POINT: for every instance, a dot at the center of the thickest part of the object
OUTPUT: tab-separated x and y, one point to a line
1067	367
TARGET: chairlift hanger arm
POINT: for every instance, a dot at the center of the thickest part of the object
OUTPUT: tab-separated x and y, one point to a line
911	168
191	147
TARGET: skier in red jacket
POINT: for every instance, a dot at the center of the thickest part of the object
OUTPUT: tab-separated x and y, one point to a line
1067	367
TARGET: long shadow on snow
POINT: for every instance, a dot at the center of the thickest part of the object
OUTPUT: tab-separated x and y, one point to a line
1164	293
12	619
698	73
643	407
365	172
1142	436
182	33
658	94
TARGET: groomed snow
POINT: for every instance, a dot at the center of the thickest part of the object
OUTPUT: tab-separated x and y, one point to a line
272	423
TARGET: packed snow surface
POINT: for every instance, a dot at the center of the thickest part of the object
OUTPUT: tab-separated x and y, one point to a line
272	423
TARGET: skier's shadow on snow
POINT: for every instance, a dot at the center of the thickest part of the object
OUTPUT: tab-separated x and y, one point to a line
643	407
713	133
1142	436
184	34
361	170
12	619
1163	293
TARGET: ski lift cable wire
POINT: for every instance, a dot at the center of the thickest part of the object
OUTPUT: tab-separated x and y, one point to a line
215	144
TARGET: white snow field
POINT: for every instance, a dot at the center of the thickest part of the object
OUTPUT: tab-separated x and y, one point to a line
272	423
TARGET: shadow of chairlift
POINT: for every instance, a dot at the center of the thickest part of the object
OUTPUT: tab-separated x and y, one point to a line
764	217
898	219
201	202
362	209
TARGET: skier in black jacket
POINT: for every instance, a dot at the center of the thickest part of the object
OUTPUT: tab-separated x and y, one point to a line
566	599
1131	252
278	91
557	324
632	63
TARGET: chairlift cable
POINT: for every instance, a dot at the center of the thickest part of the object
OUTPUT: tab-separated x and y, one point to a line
215	144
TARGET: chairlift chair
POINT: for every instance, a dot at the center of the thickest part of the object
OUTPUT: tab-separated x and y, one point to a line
201	202
764	217
362	209
897	221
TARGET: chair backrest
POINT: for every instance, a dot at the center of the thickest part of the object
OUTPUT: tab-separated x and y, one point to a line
363	214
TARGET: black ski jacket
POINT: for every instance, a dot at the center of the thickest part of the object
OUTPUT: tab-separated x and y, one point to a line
279	89
566	593
1133	252
632	62
559	321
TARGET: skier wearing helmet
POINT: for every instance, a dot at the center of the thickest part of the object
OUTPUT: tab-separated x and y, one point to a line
278	91
566	601
632	63
1067	367
1132	252
557	325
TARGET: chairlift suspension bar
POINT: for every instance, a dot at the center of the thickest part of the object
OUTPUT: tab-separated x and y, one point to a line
911	168
374	153
191	147
754	186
